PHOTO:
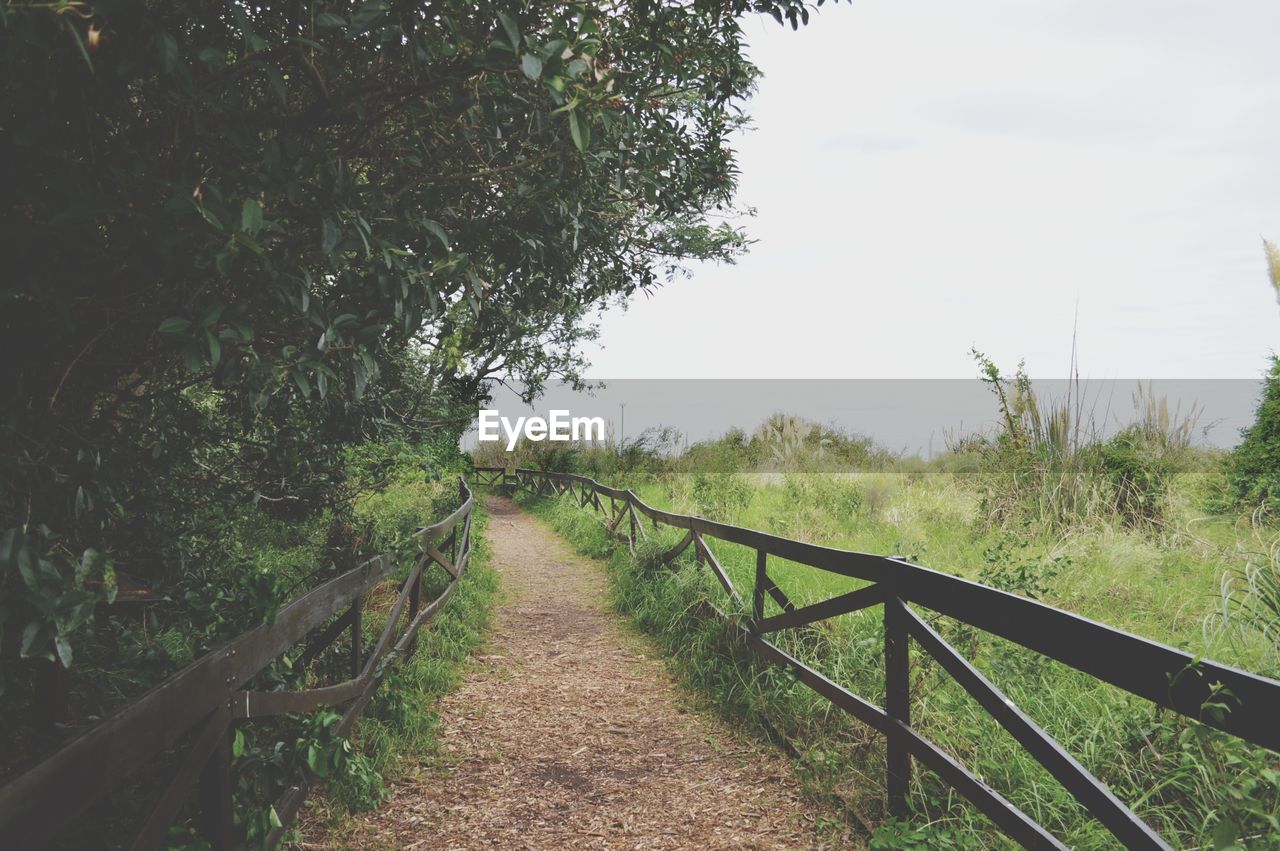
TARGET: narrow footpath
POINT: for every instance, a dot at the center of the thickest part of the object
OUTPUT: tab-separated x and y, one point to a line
567	733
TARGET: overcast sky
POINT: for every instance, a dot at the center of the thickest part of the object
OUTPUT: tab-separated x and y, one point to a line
936	175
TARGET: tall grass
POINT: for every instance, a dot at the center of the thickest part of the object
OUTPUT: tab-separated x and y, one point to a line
1051	463
1192	783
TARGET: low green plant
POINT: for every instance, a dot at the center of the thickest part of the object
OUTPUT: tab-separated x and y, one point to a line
1010	568
1253	467
721	496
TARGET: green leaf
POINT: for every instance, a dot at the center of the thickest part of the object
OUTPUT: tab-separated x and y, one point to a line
167	45
245	240
513	31
274	818
64	649
35	641
437	231
75	36
328	236
304	386
211	315
215	348
1225	834
30	568
326	20
89	560
193	357
579	130
175	325
251	217
365	16
531	65
11	546
237	745
316	761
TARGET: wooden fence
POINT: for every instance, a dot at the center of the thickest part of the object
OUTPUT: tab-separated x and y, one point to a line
1165	676
202	704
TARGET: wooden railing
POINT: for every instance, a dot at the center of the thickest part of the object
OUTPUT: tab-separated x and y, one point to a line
1165	676
204	702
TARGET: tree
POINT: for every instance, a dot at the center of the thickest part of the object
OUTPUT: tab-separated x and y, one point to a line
240	238
1253	467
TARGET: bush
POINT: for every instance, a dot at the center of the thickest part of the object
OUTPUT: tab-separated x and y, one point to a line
1137	475
721	496
1253	467
1049	464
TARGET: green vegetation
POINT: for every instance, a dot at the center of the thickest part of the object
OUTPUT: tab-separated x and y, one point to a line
1114	529
1253	468
262	263
402	724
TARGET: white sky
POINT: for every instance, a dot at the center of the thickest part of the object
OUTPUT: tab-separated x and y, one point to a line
936	175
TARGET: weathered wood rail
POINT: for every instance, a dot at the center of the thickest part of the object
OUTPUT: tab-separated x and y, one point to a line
1167	677
205	701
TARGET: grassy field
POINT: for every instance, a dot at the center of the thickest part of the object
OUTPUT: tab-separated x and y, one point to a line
1165	584
1161	580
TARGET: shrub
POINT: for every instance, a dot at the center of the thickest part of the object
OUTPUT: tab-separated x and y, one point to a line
1253	467
1050	465
721	496
1138	477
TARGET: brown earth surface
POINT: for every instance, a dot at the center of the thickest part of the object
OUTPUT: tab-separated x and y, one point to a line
569	733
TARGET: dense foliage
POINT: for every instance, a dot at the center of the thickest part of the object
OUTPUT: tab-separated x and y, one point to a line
243	238
1253	468
263	260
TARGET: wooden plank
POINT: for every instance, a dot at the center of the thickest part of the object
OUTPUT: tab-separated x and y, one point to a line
442	560
155	829
757	595
897	704
216	809
675	551
357	634
836	606
1153	671
1015	823
264	704
843	562
291	801
37	803
719	571
778	597
321	641
1075	778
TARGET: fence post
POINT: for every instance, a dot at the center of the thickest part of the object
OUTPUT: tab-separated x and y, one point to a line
762	578
897	703
215	795
357	636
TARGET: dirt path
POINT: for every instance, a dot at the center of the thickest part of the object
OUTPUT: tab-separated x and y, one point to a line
568	734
